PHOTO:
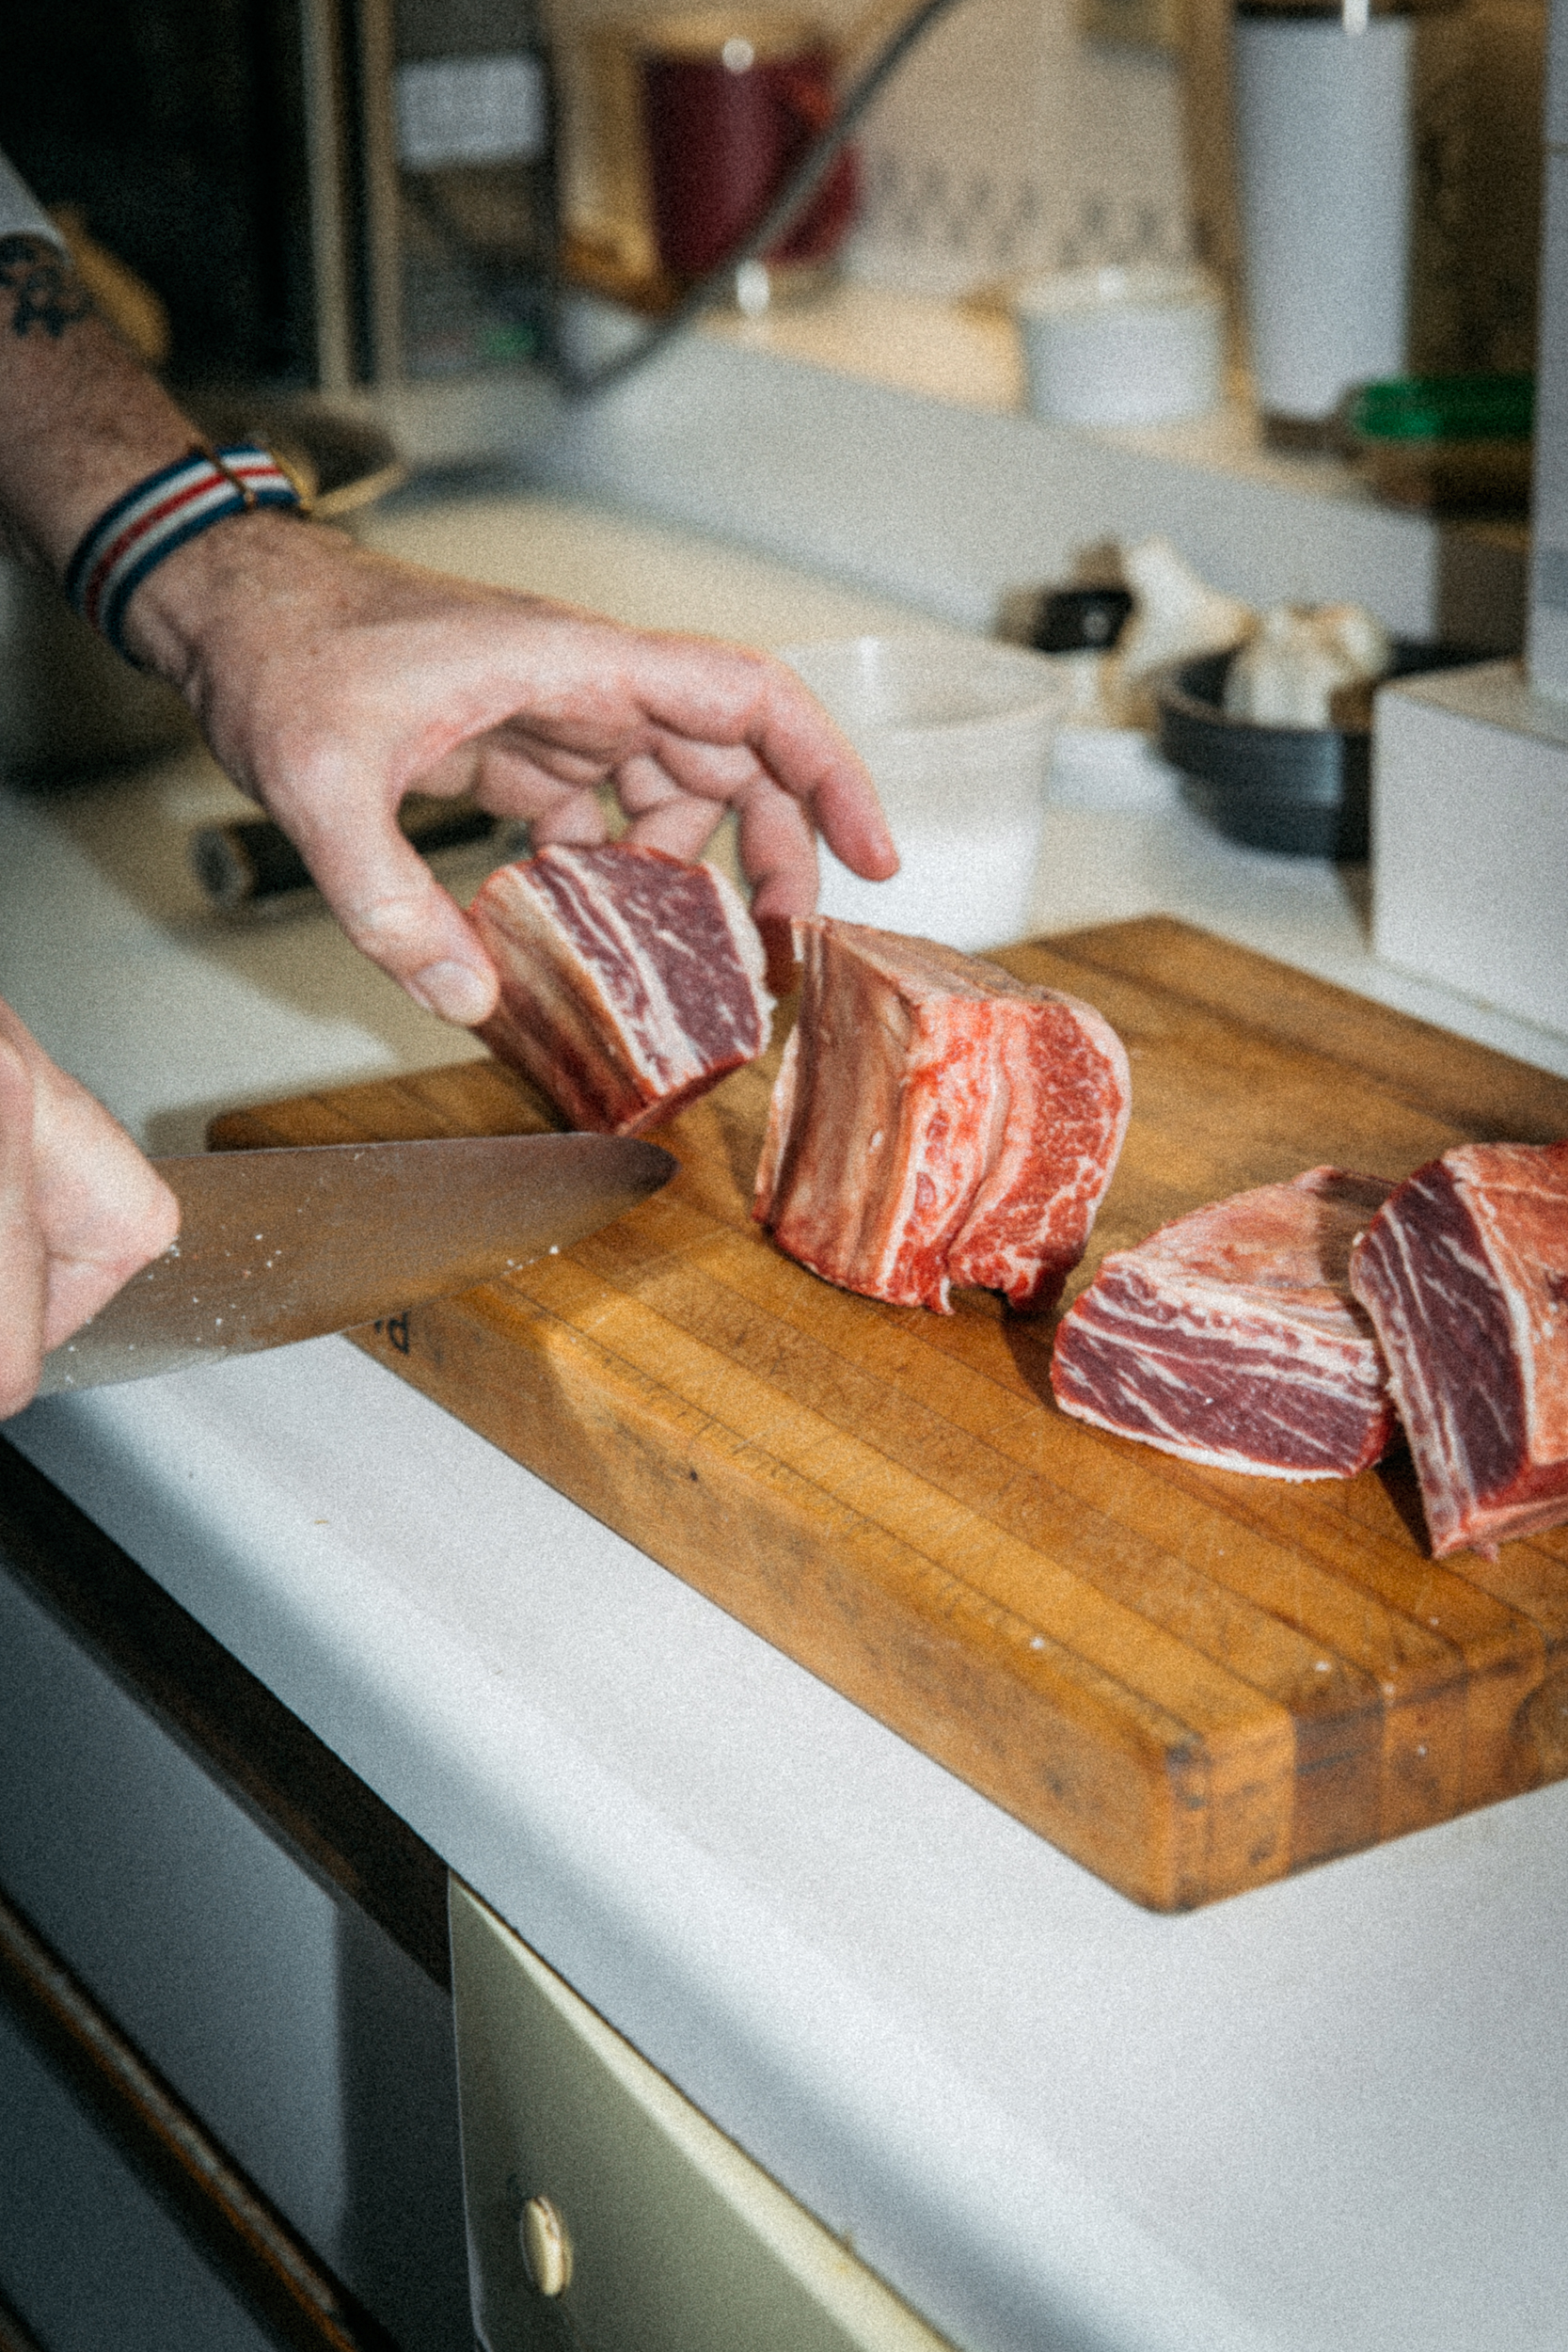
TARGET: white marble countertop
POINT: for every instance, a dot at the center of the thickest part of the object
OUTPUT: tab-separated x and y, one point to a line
1329	2115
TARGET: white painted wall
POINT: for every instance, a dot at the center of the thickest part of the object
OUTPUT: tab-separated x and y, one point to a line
1006	141
1009	141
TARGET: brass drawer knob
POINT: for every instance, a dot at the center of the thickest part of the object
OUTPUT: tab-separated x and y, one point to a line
546	2247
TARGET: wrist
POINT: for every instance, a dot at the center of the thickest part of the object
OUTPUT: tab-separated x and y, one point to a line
159	514
80	419
241	585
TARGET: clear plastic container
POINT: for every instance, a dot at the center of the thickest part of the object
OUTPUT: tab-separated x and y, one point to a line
959	734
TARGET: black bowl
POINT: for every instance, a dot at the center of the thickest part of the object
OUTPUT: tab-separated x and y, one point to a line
1303	790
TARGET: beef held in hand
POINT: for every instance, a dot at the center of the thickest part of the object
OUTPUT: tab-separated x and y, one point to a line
1229	1336
631	981
1465	1274
937	1121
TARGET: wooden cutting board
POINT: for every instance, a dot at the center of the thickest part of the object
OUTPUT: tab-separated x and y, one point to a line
1191	1682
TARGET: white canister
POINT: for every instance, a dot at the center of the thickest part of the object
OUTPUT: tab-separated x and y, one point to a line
1343	238
1137	345
957	733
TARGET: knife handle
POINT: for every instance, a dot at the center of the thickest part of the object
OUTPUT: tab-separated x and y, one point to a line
253	860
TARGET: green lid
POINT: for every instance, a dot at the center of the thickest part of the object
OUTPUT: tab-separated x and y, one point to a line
1443	408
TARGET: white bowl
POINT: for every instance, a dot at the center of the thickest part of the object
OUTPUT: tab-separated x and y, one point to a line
957	733
1142	345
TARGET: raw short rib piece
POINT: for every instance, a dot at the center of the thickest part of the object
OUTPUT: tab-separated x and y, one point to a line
1229	1336
1466	1276
631	983
936	1121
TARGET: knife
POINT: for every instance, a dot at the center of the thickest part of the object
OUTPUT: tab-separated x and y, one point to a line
287	1243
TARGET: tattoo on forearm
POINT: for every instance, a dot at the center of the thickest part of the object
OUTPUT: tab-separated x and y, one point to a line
48	293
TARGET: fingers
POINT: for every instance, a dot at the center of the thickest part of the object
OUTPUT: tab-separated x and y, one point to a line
662	713
106	1211
684	729
23	1278
369	682
666	818
804	753
393	908
678	812
778	758
681	827
81	1210
777	854
715	773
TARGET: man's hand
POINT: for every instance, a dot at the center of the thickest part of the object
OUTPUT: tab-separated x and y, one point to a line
331	682
81	1210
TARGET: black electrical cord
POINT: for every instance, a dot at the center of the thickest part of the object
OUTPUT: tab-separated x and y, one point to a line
718	284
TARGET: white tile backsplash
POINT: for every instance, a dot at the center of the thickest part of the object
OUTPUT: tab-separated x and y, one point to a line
1008	142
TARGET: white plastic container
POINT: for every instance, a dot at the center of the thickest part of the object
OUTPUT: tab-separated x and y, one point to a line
959	734
1323	135
1143	346
1350	177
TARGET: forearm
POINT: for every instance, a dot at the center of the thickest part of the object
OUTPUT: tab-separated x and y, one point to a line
81	420
330	681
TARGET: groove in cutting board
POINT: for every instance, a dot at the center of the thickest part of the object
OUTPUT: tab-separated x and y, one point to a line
1193	1682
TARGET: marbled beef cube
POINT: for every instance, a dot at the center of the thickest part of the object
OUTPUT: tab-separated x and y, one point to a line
1465	1274
631	981
1229	1336
937	1121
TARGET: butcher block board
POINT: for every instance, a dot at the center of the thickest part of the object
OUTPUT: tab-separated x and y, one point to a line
1191	1682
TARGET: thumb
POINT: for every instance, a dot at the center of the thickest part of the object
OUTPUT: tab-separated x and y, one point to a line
22	1257
394	910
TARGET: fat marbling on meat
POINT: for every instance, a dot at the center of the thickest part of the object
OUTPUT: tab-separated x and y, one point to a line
631	981
1229	1336
1465	1274
937	1121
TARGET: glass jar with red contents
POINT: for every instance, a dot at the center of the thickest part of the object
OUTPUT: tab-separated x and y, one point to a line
730	104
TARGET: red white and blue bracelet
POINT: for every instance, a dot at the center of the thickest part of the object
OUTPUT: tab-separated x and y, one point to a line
161	514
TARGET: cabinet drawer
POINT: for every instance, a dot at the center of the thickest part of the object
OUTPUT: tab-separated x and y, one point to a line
677	2241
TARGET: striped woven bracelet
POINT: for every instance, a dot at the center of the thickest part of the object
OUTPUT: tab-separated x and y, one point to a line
161	514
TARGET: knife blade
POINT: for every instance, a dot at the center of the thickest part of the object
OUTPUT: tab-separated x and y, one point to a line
287	1243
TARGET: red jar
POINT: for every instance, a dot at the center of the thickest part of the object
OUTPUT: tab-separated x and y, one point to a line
730	104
